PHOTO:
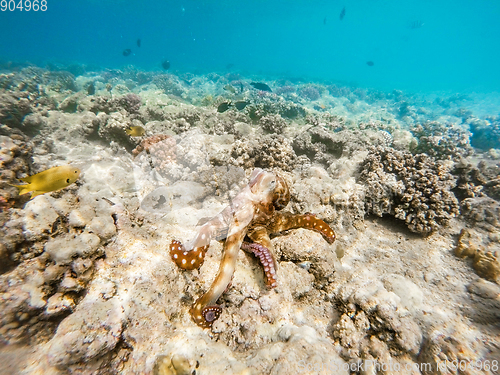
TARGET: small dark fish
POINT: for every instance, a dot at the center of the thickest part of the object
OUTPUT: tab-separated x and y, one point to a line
324	21
370	63
241	87
261	86
241	104
91	89
127	52
229	66
223	107
342	14
138	42
165	64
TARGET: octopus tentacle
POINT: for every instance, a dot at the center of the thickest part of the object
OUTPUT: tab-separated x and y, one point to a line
192	255
284	220
266	259
187	260
205	311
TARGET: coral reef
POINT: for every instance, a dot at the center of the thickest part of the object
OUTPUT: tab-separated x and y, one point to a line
271	151
309	92
273	124
442	140
485	134
415	189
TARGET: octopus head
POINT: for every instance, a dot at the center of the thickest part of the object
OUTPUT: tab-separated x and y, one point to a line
281	195
271	187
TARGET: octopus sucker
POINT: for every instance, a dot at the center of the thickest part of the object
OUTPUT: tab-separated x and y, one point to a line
252	215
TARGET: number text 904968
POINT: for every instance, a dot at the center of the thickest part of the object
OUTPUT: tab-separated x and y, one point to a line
23	5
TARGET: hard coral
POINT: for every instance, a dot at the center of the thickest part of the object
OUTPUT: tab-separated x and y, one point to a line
485	134
441	140
412	188
271	151
273	123
130	102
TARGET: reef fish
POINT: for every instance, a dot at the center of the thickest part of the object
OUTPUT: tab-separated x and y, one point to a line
138	42
230	89
241	104
127	52
91	88
223	107
370	63
135	131
52	179
261	86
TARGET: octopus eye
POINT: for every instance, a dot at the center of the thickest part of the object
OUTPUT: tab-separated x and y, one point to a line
211	313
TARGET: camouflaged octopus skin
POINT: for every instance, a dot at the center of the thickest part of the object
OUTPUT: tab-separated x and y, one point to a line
254	213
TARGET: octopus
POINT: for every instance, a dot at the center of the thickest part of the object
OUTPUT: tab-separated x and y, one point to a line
254	214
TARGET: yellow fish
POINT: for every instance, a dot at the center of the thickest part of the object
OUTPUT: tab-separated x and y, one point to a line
135	131
52	179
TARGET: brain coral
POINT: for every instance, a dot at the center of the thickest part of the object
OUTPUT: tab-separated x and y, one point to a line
413	188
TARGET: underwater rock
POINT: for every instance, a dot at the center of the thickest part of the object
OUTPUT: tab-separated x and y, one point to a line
63	249
483	212
13	109
39	217
91	331
484	252
482	180
370	320
412	188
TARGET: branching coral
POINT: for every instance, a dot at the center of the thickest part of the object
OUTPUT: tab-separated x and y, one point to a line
415	189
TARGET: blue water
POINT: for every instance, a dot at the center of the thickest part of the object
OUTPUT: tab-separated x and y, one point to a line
455	46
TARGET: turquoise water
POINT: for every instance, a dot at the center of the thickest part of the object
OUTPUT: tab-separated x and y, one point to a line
414	45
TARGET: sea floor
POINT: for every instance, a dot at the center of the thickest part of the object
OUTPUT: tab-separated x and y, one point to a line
409	183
